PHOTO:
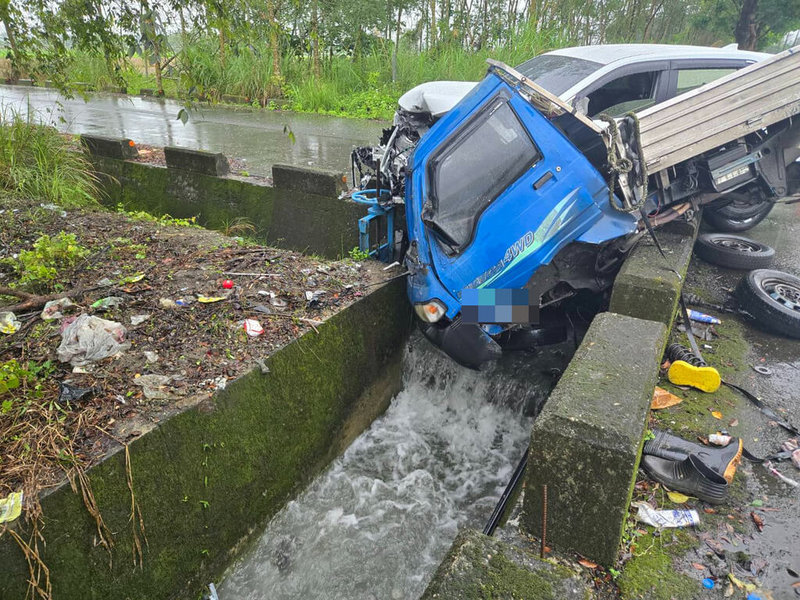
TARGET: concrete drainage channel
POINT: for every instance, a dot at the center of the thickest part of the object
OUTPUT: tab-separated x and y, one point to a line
434	463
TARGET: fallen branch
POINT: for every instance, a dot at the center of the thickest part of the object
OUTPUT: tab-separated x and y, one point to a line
32	301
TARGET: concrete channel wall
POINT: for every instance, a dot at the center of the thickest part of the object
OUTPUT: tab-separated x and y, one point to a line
210	477
300	212
586	443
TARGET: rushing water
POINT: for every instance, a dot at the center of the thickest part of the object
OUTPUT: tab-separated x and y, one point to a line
379	521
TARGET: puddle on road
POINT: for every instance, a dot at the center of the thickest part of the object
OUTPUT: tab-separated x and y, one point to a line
379	521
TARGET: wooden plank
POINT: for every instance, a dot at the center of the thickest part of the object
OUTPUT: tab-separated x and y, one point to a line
750	99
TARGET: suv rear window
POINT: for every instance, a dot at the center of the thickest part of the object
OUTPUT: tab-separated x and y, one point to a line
473	169
557	73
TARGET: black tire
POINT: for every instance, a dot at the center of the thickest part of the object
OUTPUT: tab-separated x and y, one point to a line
733	251
741	213
773	298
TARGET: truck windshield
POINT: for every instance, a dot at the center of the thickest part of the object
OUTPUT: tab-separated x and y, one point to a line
557	73
468	173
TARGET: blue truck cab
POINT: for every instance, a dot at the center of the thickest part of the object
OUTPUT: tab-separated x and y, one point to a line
493	192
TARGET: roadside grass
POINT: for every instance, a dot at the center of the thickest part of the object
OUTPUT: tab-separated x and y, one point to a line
358	86
36	161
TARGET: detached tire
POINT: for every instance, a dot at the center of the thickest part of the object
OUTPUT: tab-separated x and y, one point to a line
773	298
733	251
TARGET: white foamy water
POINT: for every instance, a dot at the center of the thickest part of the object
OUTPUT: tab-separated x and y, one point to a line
377	523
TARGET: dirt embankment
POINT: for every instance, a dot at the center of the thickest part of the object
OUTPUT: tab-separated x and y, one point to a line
198	309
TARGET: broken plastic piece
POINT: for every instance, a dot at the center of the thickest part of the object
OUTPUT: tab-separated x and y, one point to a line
55	308
227	284
88	339
708	583
150	356
166	303
11	507
9	323
108	302
71	393
665	518
136	277
139	319
210	299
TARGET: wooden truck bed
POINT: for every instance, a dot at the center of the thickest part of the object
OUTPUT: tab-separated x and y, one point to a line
750	99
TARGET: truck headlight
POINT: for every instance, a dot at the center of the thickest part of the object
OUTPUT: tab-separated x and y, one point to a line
430	311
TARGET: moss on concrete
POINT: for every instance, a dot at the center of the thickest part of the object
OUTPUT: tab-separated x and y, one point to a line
322	225
210	477
651	575
481	568
586	443
648	285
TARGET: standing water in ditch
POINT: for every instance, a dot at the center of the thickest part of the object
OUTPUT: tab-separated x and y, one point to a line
377	523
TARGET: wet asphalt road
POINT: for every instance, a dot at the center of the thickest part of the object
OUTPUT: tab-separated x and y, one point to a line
255	136
779	543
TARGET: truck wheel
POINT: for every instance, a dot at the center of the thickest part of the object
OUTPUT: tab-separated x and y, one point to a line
739	215
733	251
773	298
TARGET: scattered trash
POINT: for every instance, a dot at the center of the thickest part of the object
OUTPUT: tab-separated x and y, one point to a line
796	458
663	399
720	439
220	383
139	319
227	284
150	356
716	414
210	299
771	468
262	309
748	587
108	303
11	507
278	303
762	369
70	393
9	323
790	445
212	591
55	309
105	282
665	518
183	302
135	278
88	339
708	583
677	497
166	303
262	365
313	298
253	328
695	315
153	386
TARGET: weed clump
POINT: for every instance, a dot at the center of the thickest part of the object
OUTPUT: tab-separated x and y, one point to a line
39	266
39	163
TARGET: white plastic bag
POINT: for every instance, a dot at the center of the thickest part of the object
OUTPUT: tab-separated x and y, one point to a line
88	339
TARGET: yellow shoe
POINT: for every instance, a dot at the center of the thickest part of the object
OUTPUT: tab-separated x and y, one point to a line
705	379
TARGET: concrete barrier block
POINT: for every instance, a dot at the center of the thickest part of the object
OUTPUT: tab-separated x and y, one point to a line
647	286
586	443
478	566
320	182
198	161
119	148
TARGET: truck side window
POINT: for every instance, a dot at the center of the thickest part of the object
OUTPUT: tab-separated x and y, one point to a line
688	79
471	171
629	93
